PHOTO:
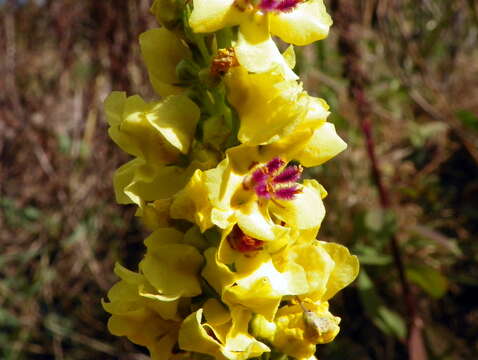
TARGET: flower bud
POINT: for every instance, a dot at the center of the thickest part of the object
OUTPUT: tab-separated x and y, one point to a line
186	70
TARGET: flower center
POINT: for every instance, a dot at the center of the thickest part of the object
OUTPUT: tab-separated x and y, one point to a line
273	181
242	242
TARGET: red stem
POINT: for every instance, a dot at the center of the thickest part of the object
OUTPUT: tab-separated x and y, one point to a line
347	16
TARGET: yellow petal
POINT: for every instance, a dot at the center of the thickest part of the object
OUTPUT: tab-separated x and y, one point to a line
137	181
128	276
257	52
305	211
193	337
156	214
192	203
345	270
317	264
222	184
212	15
156	132
162	51
323	145
175	118
279	104
114	107
307	23
303	143
215	312
149	331
171	267
239	345
255	221
262	291
216	273
289	57
239	340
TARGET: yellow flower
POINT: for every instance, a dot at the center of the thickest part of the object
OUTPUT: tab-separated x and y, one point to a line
137	181
298	22
140	313
266	202
152	187
311	143
223	340
329	267
263	290
156	132
259	279
162	51
170	265
279	104
293	124
297	328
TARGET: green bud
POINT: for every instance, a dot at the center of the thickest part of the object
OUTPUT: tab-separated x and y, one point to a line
168	12
207	79
187	70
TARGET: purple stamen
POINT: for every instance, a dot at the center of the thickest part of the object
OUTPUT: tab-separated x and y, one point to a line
262	191
278	5
288	175
274	165
259	176
271	180
287	193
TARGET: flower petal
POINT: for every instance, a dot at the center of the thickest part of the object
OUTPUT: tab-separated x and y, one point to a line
305	211
279	104
257	52
323	145
175	118
162	50
345	270
137	182
307	23
212	15
170	266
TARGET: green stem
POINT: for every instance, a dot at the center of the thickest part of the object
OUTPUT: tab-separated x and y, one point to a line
224	38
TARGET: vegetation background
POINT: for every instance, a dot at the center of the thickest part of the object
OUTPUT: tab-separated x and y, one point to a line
403	73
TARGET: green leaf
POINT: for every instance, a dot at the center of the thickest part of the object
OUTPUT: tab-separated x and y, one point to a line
429	279
369	255
468	119
387	320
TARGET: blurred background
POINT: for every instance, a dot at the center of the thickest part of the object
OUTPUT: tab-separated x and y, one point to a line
403	73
